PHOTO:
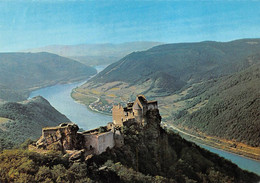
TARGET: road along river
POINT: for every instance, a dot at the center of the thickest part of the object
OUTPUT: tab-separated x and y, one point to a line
60	98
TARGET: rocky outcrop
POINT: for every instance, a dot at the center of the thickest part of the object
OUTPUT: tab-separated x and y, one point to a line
79	145
63	137
78	155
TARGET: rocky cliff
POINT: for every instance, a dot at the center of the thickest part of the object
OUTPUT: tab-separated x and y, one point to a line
152	150
64	137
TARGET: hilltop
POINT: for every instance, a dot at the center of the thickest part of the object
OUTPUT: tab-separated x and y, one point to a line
20	73
96	54
21	121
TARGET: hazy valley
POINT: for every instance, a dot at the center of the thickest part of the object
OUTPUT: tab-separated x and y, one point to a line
96	54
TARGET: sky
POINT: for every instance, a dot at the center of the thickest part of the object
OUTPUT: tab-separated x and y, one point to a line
37	23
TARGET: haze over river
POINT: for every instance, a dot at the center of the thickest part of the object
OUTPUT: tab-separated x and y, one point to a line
59	97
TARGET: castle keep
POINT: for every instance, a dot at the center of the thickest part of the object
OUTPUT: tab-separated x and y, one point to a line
134	111
66	137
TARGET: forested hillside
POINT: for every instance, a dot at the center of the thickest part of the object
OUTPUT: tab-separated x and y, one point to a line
231	110
22	72
21	121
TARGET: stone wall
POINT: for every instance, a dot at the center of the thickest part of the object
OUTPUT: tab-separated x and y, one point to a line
118	137
105	140
99	142
91	142
119	115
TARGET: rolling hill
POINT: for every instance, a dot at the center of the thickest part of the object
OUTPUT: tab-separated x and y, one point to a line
96	54
23	72
20	121
187	62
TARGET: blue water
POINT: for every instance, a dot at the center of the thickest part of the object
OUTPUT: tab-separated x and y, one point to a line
59	97
242	162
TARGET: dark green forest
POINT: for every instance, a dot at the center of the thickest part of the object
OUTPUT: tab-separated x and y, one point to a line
232	111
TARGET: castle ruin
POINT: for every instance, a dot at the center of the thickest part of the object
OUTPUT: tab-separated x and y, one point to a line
134	111
66	137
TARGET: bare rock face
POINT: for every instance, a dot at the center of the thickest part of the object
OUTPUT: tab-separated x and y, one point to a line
63	137
77	155
70	137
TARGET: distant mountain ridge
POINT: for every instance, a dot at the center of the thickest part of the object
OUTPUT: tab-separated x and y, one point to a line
21	121
96	54
22	72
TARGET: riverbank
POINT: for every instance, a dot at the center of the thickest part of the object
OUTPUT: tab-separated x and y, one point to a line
93	102
88	101
222	144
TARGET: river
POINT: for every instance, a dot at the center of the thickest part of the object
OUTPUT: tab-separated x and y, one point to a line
242	162
59	97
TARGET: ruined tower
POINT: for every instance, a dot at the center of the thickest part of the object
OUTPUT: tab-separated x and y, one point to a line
133	112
